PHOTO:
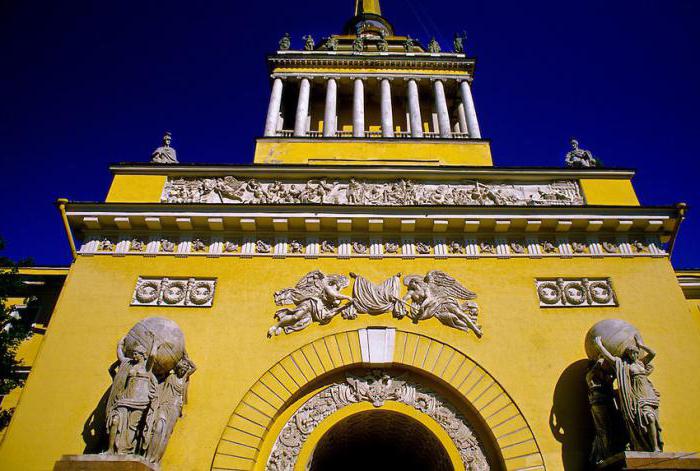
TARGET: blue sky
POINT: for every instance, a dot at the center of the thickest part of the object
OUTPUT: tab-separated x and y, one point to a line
86	84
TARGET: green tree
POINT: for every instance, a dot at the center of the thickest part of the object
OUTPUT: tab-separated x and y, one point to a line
13	330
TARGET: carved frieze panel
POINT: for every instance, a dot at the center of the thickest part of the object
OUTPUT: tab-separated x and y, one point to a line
578	292
232	190
379	246
174	292
376	388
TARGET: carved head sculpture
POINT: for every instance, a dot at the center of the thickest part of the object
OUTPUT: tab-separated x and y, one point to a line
574	143
631	354
139	353
167	138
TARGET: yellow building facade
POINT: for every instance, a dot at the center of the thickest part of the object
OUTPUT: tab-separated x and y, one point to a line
370	292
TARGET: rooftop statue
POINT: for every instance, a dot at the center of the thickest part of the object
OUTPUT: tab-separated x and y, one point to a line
358	45
165	154
285	43
331	44
309	44
408	44
434	46
580	158
458	44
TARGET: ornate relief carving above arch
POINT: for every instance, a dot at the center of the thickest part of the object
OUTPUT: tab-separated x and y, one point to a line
377	387
245	443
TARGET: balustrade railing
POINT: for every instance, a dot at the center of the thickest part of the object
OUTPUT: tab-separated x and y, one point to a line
375	134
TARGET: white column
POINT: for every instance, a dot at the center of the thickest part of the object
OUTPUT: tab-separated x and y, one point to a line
273	110
462	117
300	121
414	109
329	115
441	106
358	109
387	110
472	122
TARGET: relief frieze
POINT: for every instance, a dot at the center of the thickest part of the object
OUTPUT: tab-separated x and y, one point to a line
355	192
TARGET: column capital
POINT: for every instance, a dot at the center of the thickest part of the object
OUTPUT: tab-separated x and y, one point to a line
331	77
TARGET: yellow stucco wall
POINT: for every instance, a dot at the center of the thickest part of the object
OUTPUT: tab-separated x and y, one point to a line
609	192
136	188
372	151
535	354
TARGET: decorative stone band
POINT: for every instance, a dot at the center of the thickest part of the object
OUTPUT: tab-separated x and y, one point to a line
232	190
579	292
379	246
375	388
174	292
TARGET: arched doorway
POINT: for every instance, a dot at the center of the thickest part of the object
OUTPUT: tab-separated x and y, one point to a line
379	440
285	414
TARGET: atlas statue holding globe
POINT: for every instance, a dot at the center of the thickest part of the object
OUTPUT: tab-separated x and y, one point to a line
626	417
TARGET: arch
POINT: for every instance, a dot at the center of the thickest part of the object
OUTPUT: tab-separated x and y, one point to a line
242	440
382	430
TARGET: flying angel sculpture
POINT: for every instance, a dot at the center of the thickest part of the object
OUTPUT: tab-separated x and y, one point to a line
436	295
317	297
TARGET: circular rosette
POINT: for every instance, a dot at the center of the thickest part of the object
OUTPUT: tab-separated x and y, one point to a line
575	293
600	292
291	437
147	291
175	292
549	292
201	293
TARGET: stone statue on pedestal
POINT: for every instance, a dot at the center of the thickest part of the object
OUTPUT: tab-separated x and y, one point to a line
309	44
285	43
165	154
408	44
580	158
618	353
148	389
434	46
458	43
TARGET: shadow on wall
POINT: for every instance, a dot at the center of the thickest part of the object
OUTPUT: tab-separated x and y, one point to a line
570	418
95	427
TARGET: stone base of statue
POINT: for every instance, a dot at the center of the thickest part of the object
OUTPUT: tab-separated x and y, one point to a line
636	460
103	463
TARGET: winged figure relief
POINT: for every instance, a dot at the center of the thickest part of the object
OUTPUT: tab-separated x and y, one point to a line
438	295
316	298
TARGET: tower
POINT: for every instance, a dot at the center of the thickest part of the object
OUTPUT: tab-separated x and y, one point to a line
371	286
368	86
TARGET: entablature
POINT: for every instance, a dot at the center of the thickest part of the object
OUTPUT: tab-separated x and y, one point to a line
372	60
546	221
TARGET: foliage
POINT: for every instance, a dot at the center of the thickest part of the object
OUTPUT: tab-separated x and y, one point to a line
13	328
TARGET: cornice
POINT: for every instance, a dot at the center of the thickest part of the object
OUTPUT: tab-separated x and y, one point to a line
364	60
660	221
378	171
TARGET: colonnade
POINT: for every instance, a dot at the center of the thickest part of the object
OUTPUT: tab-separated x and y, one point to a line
466	113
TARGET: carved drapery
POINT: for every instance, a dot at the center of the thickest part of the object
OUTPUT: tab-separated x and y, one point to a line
232	190
376	388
